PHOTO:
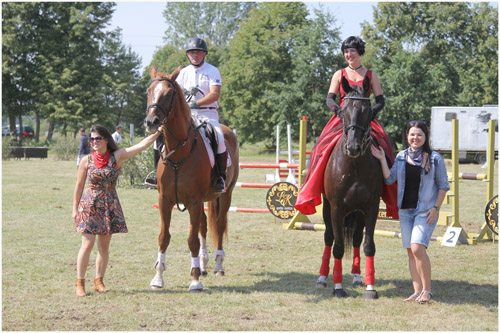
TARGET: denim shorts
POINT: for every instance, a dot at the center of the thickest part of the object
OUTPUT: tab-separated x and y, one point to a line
413	227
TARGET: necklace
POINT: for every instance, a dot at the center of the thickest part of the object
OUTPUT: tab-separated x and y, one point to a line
355	69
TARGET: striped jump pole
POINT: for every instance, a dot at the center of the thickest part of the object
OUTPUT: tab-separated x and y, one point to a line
233	209
254	185
470	176
385	233
269	165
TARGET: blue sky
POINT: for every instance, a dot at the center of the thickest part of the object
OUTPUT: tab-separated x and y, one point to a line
143	24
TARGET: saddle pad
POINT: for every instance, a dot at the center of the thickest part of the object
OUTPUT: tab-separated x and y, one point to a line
210	151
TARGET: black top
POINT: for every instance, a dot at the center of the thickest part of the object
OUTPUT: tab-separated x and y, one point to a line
412	185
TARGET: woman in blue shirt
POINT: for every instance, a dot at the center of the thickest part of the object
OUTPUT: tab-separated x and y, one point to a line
422	185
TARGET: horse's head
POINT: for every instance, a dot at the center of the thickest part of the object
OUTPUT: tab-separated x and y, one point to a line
356	116
163	99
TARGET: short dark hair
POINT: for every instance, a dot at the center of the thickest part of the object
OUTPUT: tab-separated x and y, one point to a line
104	132
423	126
354	42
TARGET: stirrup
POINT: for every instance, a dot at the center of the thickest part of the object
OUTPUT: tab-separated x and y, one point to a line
220	185
150	180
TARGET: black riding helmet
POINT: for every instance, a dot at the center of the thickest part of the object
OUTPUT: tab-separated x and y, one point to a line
196	44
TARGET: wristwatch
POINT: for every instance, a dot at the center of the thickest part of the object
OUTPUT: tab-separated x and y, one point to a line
437	208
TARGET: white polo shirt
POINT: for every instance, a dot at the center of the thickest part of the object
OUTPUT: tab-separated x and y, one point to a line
202	78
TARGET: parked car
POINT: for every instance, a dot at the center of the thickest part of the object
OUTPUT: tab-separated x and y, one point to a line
28	131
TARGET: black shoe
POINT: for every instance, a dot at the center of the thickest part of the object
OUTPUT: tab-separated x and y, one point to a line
150	180
220	185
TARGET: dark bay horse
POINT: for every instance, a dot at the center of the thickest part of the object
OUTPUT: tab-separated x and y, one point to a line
185	176
352	188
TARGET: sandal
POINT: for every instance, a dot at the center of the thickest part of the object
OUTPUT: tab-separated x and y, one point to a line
412	297
424	301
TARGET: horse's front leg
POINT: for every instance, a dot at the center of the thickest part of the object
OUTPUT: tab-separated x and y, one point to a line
196	214
327	252
163	242
369	249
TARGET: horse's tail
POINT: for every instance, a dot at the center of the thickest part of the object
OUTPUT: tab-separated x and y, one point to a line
217	221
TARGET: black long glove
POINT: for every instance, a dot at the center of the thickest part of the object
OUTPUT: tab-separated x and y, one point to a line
330	102
379	104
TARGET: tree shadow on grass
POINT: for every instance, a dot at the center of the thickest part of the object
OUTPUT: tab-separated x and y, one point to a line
445	291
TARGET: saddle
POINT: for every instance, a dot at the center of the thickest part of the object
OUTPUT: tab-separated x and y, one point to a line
207	132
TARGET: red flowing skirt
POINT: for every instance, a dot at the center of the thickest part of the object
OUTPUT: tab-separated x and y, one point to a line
310	193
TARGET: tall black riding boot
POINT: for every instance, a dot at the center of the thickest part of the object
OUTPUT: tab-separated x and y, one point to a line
220	167
151	180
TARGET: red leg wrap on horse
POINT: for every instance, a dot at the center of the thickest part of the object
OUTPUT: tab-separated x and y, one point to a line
370	270
325	261
337	271
356	259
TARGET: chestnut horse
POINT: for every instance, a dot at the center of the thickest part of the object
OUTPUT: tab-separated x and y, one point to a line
185	176
352	188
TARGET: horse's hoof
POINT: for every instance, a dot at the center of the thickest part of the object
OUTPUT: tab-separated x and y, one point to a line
321	283
195	286
370	294
339	293
219	273
358	284
156	283
356	280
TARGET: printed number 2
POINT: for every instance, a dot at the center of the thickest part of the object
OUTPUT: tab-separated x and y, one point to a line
452	235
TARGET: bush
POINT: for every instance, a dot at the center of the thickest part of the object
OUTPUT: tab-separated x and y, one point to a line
135	170
65	149
6	151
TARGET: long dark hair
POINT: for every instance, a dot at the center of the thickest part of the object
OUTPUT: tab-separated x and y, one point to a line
423	126
354	43
426	148
104	132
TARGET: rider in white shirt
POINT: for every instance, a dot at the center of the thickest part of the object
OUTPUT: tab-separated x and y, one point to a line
202	82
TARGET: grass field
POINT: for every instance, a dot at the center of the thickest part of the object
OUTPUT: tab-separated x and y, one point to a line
270	272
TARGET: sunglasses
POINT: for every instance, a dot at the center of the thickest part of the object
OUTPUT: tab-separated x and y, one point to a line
417	122
97	139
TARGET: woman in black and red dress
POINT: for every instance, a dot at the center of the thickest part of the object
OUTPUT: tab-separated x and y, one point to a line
97	210
310	193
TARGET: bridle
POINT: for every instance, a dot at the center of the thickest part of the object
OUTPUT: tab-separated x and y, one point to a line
367	138
180	143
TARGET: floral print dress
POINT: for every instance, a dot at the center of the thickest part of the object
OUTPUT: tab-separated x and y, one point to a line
99	211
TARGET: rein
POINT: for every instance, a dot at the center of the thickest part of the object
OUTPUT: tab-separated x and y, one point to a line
180	142
367	138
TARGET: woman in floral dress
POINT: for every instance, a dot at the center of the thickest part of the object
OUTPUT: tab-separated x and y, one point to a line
97	210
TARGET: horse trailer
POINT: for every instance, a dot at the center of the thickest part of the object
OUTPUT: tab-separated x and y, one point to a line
473	124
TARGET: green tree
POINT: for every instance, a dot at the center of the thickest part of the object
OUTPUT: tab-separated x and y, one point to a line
213	21
120	81
18	67
257	61
52	60
433	53
167	59
315	56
